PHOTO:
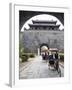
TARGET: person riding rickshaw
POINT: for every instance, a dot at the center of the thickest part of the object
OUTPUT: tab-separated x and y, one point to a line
54	59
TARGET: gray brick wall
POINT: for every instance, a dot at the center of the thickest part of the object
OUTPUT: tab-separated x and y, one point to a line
32	39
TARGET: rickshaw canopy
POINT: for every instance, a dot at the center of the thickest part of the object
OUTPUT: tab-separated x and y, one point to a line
53	49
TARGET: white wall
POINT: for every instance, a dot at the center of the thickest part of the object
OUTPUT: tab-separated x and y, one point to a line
4	41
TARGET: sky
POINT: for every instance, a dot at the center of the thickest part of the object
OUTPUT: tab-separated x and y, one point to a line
42	17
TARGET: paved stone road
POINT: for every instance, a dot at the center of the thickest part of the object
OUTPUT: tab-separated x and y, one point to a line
37	68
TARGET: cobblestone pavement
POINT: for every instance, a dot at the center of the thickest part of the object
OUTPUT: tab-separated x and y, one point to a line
37	68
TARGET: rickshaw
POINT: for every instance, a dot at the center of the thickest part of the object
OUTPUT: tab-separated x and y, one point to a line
53	60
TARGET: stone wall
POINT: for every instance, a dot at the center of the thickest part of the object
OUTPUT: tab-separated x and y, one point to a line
33	39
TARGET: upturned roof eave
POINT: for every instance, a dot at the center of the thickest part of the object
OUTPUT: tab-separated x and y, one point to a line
43	25
43	21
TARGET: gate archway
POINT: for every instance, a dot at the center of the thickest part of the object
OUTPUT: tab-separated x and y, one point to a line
43	45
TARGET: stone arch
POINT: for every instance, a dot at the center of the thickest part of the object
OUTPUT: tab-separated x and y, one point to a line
25	15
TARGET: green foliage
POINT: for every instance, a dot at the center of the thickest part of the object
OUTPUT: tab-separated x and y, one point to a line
24	57
21	50
62	58
61	53
31	55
